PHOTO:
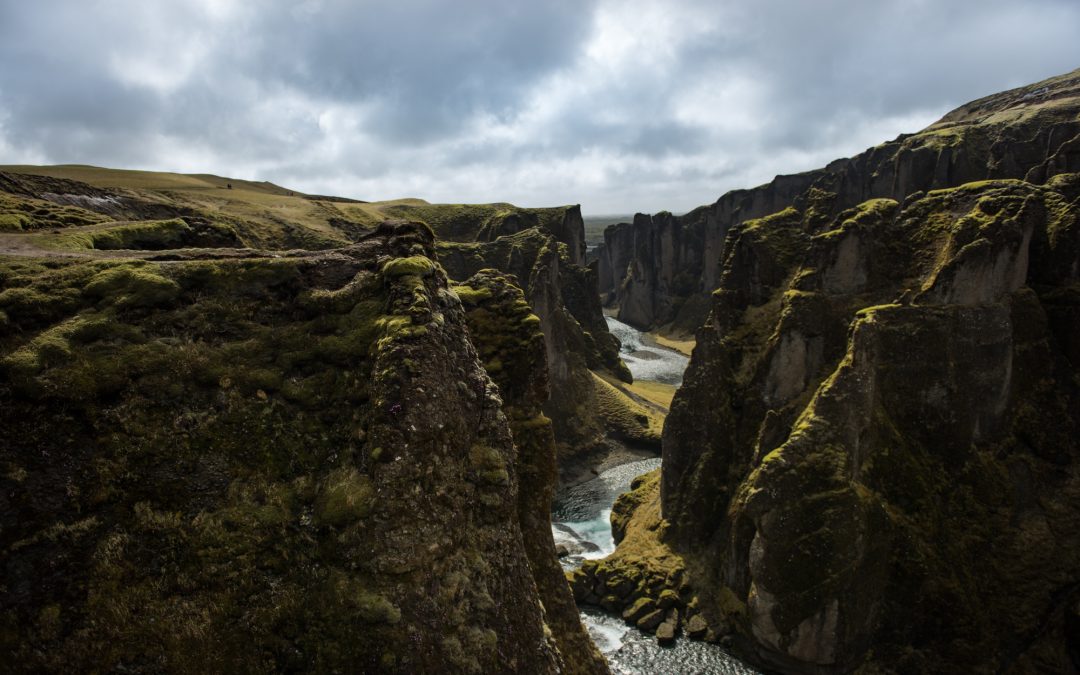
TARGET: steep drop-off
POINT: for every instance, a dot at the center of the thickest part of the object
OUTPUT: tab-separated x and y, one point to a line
873	463
80	210
661	268
242	461
543	251
875	450
512	349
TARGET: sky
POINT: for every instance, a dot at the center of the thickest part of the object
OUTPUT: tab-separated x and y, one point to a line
619	105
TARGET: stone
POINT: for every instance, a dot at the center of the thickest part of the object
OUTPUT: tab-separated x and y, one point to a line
696	627
668	599
665	633
650	621
638	610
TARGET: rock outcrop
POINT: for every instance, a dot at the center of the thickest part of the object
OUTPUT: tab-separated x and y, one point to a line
873	463
235	461
512	349
886	410
543	250
660	269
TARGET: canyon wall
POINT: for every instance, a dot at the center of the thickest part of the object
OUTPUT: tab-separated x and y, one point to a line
873	463
661	268
543	250
237	460
888	410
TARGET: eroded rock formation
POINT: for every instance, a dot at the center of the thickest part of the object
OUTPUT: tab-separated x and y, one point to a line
512	348
661	268
891	414
217	461
873	463
543	250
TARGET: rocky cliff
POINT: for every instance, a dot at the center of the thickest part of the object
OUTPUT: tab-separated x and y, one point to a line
237	460
543	251
660	269
513	351
873	464
75	210
893	414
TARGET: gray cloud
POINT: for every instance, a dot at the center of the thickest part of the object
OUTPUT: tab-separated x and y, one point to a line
620	105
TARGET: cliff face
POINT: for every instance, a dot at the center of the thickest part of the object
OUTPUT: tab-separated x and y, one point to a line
512	349
219	461
873	462
543	250
1030	133
876	442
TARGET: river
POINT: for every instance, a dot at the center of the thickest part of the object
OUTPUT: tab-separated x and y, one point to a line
581	522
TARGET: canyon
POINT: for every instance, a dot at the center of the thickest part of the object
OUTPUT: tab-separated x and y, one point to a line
872	464
249	429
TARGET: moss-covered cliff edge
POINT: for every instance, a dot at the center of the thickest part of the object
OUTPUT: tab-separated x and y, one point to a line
873	462
661	268
542	250
83	211
249	461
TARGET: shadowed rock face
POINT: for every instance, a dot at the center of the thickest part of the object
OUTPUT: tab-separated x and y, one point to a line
661	268
562	294
512	349
293	462
875	449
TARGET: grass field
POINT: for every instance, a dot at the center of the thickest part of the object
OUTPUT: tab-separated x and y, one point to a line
680	343
595	225
285	217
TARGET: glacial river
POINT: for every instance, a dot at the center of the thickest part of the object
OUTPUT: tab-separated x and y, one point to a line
581	522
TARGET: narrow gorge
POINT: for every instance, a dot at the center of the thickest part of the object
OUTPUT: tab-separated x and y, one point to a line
248	429
872	464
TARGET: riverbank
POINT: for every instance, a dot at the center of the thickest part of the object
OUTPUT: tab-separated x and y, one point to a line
581	516
657	372
606	456
681	343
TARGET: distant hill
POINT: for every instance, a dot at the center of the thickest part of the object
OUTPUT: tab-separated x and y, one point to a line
595	225
259	214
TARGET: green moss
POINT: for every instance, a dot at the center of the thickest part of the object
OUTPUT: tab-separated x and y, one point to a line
35	303
472	296
133	286
151	234
13	222
625	418
53	346
489	464
419	266
345	498
25	214
781	234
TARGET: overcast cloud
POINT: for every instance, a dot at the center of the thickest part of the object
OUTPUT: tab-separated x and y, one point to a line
620	105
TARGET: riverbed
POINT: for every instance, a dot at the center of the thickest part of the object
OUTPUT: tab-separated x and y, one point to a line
581	522
646	359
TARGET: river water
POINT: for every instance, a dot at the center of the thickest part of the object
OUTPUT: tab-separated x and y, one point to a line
581	521
646	359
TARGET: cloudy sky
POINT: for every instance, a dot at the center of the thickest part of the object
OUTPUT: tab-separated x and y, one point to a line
620	105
